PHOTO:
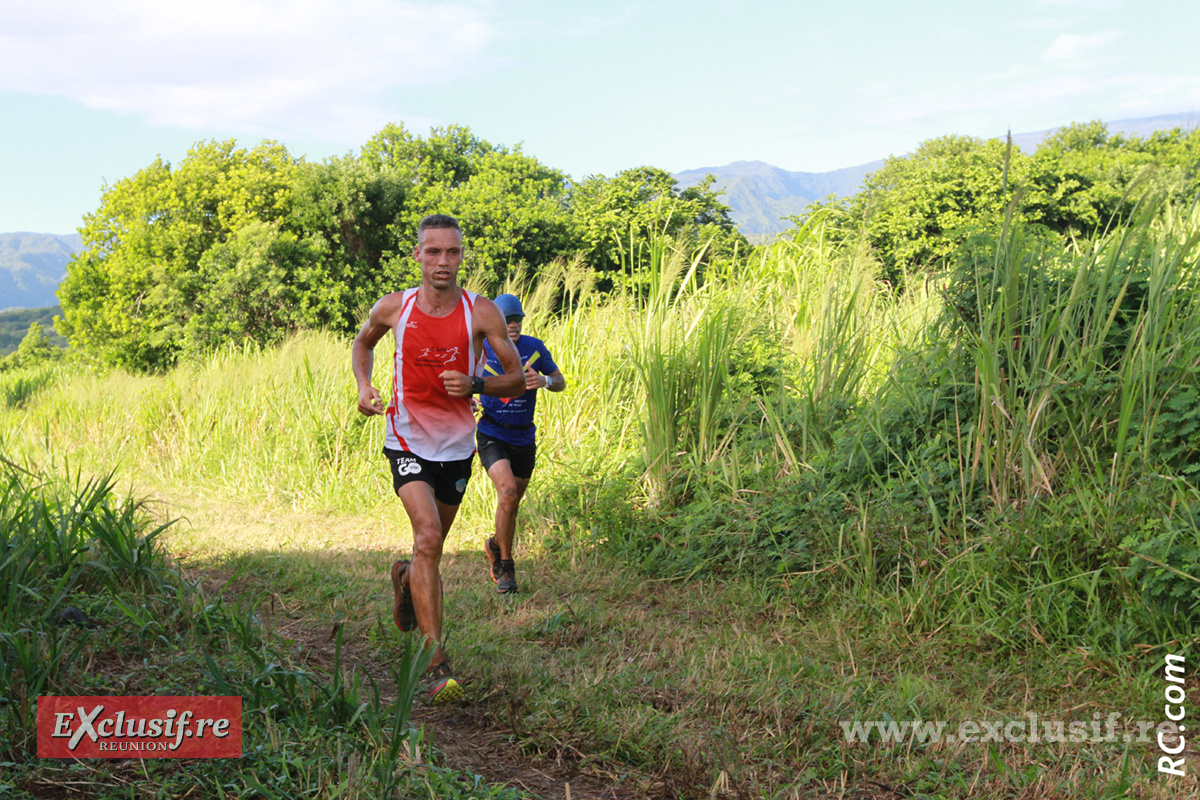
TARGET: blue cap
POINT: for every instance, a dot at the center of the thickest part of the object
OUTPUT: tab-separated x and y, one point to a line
509	306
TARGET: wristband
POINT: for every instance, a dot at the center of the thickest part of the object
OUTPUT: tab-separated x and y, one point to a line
477	385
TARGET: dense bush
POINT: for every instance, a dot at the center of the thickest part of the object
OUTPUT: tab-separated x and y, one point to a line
237	244
90	604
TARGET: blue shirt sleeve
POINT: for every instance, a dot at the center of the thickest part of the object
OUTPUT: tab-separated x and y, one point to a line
545	362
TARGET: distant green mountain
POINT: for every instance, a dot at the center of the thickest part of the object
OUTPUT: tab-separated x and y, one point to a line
14	324
762	196
31	267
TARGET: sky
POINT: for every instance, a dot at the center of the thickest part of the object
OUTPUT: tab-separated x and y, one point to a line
91	91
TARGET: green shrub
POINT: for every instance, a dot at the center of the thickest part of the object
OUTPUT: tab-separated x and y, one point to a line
1166	566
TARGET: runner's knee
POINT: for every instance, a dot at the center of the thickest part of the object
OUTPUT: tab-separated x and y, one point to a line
427	542
509	496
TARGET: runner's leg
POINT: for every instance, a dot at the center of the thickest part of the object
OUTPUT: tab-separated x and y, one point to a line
509	491
430	522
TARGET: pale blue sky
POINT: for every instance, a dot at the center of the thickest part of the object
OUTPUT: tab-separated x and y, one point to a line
93	90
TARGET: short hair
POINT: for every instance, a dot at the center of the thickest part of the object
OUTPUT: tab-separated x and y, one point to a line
437	221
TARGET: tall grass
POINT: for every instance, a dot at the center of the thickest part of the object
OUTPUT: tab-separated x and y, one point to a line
55	545
1037	398
681	335
1077	353
93	605
843	327
279	426
795	410
1041	433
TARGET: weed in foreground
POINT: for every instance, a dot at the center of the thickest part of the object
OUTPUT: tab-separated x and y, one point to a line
94	606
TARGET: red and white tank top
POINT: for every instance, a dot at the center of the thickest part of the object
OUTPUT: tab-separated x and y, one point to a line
422	418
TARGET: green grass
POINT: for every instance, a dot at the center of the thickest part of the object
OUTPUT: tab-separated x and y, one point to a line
772	500
140	626
692	680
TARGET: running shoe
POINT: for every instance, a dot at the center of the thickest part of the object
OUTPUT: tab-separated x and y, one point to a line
403	612
443	686
504	571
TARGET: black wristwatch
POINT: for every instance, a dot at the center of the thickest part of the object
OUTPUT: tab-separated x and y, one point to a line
477	385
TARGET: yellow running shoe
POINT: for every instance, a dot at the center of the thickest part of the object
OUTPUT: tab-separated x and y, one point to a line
443	686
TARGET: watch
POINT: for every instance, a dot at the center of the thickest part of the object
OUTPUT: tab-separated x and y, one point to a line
477	385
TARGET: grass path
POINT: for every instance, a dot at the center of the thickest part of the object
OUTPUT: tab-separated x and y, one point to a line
316	572
626	687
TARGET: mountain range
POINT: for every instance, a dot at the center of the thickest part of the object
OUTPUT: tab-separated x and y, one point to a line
761	198
31	267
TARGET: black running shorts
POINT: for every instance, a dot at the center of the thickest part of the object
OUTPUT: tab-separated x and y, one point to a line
491	450
448	478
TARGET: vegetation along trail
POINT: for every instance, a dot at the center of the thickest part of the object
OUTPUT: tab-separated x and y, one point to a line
903	504
311	588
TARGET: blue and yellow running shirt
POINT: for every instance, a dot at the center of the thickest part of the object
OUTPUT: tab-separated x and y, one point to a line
510	419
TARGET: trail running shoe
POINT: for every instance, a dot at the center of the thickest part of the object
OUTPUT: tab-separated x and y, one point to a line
504	571
443	686
403	613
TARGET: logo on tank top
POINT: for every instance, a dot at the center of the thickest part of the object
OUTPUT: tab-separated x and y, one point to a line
437	356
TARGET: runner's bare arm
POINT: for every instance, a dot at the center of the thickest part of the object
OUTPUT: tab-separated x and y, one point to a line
489	324
362	354
555	382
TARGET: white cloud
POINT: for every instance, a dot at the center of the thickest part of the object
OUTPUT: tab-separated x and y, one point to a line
322	68
1069	46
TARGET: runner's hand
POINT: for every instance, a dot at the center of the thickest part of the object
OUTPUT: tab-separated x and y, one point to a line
369	401
456	383
532	379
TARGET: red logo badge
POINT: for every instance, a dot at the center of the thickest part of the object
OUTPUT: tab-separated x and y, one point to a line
139	727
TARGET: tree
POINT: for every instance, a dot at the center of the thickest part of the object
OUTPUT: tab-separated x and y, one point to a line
644	202
344	214
36	346
243	288
1084	179
237	243
919	208
106	283
34	349
514	214
512	208
447	158
129	294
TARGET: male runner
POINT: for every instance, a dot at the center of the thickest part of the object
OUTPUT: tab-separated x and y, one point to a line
440	332
506	437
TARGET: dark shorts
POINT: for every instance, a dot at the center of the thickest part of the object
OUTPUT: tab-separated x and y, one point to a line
491	450
448	478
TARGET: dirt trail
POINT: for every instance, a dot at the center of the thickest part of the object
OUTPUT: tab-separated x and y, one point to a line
467	737
470	740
